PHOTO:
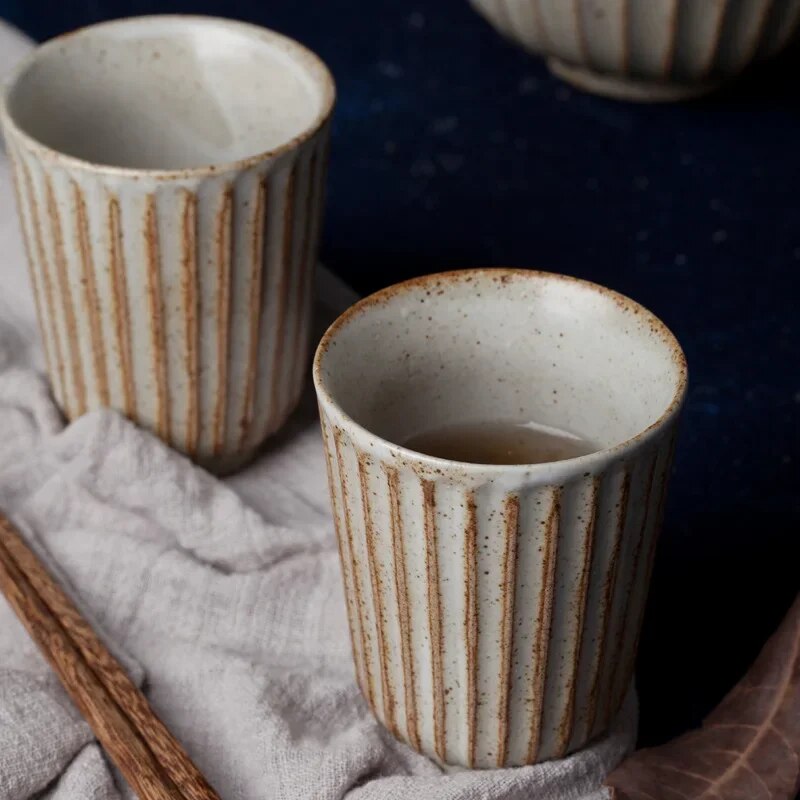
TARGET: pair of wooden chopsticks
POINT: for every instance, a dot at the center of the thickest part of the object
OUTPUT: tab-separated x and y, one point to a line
146	753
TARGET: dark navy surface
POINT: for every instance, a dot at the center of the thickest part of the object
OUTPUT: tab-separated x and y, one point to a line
452	148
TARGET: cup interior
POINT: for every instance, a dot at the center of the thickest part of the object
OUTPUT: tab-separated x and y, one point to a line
169	93
501	345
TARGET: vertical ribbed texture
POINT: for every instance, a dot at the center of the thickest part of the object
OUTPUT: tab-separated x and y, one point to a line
543	625
27	237
184	302
156	306
608	576
119	303
284	283
783	20
494	625
40	265
377	592
343	539
356	569
471	630
65	294
189	307
509	571
308	246
580	608
656	40
254	310
224	244
434	615
408	681
91	296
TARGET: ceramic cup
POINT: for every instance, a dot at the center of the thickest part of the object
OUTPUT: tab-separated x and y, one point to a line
170	173
495	610
646	50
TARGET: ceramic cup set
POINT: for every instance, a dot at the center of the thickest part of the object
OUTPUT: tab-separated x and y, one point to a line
170	174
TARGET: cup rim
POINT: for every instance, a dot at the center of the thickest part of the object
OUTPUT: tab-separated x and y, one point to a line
590	462
306	57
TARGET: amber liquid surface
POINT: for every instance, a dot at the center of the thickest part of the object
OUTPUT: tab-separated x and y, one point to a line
500	442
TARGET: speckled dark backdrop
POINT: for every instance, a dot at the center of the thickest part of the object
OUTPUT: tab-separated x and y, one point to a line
453	148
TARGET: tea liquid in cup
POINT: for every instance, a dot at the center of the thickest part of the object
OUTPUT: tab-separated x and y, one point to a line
495	606
500	442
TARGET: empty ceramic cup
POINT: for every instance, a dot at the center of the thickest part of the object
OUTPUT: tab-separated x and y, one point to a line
170	174
495	609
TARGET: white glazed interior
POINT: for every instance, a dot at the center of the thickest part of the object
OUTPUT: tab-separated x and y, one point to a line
169	93
501	344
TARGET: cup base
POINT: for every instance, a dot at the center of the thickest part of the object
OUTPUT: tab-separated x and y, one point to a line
222	466
630	89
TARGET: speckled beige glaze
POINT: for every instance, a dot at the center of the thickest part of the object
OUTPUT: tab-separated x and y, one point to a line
653	50
169	174
495	611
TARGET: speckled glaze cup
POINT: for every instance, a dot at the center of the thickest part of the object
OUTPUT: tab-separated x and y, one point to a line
169	174
495	610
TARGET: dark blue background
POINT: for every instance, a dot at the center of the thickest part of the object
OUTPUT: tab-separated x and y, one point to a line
452	148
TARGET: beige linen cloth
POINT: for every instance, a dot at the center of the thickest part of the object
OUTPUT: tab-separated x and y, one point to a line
223	598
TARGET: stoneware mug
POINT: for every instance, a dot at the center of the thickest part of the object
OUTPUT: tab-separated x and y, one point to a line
169	174
495	610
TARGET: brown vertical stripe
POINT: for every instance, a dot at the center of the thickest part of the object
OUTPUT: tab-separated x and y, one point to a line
544	621
608	597
224	242
344	554
404	616
156	308
306	267
67	302
434	616
47	283
191	331
314	223
580	33
718	28
635	566
256	280
90	297
582	598
649	560
33	268
787	29
387	693
625	32
673	29
471	621
366	655
508	589
119	306
284	282
758	35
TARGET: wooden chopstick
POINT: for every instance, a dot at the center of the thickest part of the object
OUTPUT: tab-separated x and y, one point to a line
149	757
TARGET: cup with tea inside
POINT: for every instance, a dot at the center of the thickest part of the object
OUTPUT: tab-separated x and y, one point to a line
498	445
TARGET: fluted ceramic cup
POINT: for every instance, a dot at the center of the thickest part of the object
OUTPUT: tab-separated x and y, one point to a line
495	610
654	50
170	174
